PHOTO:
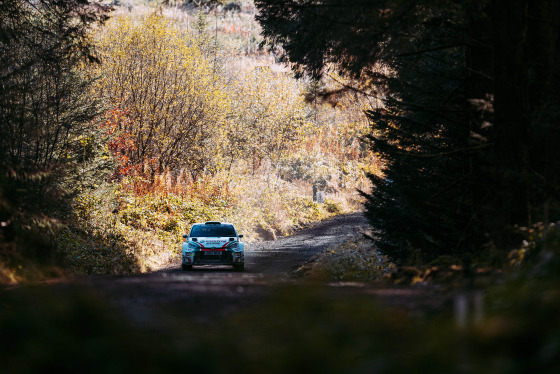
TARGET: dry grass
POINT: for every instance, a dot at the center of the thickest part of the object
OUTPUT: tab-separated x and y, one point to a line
353	260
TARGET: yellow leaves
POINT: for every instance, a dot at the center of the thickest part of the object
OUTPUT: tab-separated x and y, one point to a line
157	71
190	109
267	114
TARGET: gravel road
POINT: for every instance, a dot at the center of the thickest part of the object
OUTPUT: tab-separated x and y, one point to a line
209	293
274	258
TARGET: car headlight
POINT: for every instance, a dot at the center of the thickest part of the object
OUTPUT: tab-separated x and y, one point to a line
191	246
234	246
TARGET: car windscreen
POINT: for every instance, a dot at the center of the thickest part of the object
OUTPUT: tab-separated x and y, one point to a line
212	231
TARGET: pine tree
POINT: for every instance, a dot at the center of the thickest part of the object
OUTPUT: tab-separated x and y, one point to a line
461	128
46	113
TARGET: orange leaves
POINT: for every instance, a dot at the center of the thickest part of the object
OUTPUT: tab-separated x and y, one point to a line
207	190
117	124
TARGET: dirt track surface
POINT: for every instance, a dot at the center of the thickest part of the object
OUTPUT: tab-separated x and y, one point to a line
209	293
273	258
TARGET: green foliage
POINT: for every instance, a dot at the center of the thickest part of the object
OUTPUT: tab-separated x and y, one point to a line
46	107
87	252
201	22
90	242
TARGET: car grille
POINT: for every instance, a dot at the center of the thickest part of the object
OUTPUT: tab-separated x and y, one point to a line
223	258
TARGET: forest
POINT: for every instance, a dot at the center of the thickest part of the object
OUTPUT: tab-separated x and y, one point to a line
467	128
441	117
124	122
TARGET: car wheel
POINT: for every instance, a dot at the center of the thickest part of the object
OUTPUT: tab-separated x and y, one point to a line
187	267
239	267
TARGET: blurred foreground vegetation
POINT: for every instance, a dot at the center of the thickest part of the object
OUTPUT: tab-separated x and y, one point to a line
298	328
514	328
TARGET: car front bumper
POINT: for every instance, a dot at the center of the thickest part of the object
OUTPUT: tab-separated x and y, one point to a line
204	258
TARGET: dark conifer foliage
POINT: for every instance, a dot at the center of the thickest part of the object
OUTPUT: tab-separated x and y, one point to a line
469	125
46	111
44	104
422	132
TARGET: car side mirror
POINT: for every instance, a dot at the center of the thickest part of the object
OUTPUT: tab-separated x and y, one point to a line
240	235
185	236
194	239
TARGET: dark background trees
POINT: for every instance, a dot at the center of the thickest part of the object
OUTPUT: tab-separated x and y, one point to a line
44	103
469	125
47	136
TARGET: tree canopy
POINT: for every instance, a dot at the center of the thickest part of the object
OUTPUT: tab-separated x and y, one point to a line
468	125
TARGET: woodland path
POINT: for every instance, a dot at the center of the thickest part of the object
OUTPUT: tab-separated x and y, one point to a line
208	294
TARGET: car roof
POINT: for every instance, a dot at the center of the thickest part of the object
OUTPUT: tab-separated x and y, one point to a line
213	223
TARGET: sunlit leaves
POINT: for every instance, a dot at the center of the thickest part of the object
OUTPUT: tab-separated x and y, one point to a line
158	73
268	115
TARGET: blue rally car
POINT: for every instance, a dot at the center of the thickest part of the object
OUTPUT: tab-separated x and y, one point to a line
213	243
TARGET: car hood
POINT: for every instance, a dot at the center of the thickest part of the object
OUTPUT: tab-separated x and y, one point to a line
214	242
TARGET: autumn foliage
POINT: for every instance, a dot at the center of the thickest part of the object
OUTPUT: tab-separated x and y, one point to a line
120	143
194	124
